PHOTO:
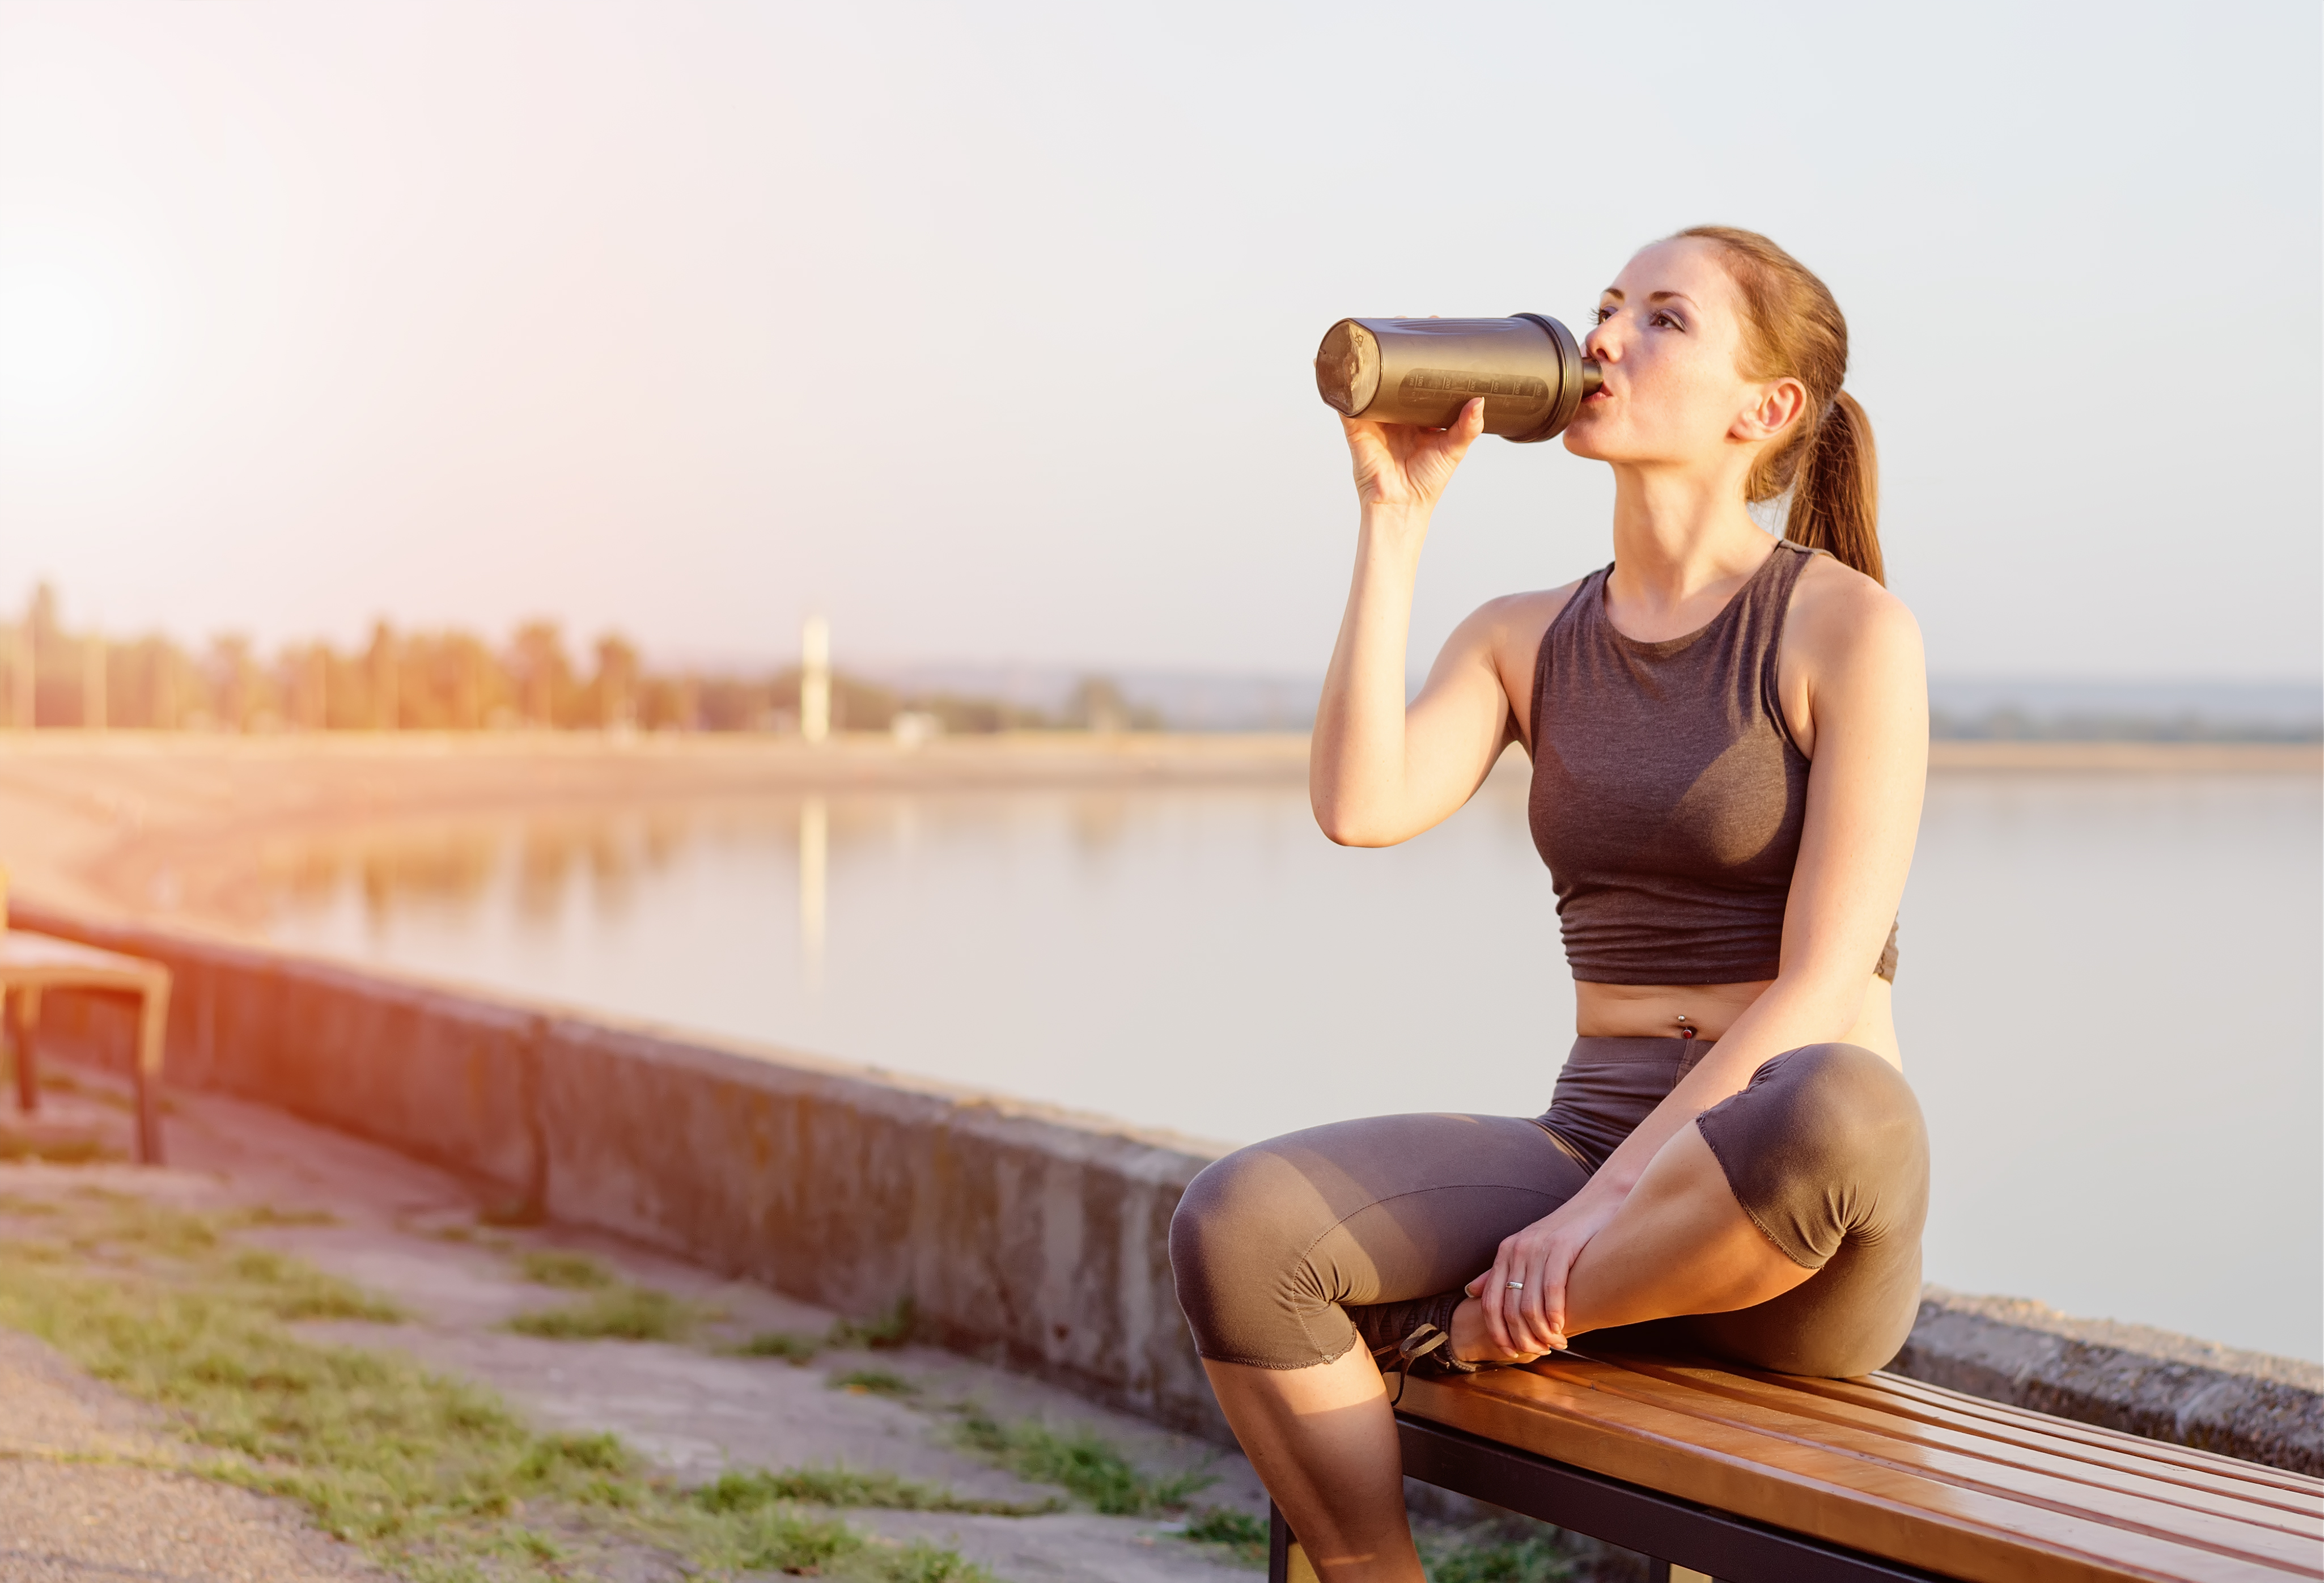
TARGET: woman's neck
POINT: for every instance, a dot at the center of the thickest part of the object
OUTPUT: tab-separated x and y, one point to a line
1682	544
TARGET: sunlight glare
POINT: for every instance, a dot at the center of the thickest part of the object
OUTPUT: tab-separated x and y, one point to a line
67	336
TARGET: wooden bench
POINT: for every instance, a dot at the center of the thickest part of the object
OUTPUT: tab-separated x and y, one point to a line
1750	1477
31	963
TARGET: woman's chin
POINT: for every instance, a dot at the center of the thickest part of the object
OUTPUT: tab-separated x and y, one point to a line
1581	442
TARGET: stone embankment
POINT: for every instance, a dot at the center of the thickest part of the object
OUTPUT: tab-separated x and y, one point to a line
1027	1236
2153	1382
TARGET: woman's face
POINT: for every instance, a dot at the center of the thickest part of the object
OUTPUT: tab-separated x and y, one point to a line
1670	335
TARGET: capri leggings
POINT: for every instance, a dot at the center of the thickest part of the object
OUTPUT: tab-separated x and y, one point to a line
1825	1150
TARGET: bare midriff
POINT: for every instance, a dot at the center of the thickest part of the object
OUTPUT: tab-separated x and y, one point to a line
1666	1011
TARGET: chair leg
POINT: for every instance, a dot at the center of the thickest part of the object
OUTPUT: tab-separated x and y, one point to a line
1285	1561
23	1017
152	1032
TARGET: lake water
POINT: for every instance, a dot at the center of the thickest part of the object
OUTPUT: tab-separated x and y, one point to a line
2108	994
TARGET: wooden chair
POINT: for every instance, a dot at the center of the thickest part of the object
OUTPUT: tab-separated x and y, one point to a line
1749	1477
31	963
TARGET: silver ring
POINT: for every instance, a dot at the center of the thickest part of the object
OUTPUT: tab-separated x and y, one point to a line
1516	1286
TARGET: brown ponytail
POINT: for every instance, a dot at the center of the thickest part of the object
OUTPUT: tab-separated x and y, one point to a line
1793	328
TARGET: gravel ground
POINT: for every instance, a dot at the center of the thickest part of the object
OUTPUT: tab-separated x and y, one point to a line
89	1489
88	1486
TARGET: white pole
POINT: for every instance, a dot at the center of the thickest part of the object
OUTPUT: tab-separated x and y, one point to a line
815	679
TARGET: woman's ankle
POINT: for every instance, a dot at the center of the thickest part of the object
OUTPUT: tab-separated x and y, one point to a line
1473	1341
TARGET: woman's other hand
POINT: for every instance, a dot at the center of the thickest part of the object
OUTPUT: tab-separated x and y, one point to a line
1400	465
1529	1319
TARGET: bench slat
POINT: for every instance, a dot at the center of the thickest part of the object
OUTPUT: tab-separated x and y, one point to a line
2145	1510
1894	1393
2122	1474
1573	1411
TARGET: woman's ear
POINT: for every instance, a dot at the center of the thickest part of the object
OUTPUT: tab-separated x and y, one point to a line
1779	405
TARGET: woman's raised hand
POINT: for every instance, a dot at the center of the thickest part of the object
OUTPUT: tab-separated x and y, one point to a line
1397	464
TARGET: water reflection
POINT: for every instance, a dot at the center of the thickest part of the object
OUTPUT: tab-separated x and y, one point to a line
2110	1136
813	865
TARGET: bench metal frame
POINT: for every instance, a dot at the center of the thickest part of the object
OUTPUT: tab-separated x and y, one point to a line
1727	1547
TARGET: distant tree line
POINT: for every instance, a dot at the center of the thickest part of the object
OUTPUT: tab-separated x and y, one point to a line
447	680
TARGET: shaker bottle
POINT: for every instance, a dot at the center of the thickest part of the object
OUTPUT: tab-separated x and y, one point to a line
1529	369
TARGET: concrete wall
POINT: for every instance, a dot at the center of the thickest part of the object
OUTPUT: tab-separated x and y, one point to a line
1026	1235
2131	1377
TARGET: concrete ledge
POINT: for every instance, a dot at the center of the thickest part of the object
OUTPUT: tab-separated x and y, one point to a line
1024	1235
2151	1383
1027	1236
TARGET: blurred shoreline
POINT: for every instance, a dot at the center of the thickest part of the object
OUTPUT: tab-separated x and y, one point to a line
175	825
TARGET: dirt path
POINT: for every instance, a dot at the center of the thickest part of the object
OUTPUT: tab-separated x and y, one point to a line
92	1487
89	1479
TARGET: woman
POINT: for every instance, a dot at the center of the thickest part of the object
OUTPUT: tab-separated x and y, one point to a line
1730	737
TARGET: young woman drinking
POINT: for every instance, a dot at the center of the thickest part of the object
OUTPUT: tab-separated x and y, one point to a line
1729	736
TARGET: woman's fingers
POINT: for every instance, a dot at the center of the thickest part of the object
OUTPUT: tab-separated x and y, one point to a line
1496	1281
1540	1314
1555	1271
1538	1331
1399	464
1521	1302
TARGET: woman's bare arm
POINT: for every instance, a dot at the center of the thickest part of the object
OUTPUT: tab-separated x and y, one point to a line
1379	770
1866	700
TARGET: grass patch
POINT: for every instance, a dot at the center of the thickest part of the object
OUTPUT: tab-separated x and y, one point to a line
878	1381
433	1475
839	1484
554	1267
883	1332
1082	1463
792	1347
54	1081
291	1290
1238	1534
15	1147
624	1313
1488	1555
516	1211
783	1538
470	1233
268	1215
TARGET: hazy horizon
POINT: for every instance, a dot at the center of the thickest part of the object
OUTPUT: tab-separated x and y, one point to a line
987	330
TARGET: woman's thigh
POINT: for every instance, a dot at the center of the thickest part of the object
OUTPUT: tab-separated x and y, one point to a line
1271	1242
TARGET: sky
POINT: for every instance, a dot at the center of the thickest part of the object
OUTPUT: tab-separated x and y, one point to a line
987	329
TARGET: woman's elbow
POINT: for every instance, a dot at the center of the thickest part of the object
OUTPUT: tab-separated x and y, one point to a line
1345	827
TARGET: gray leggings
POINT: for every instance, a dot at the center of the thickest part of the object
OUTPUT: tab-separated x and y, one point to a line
1825	1150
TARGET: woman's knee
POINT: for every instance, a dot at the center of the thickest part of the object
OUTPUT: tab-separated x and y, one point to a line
1825	1141
1854	1108
1215	1215
1236	1252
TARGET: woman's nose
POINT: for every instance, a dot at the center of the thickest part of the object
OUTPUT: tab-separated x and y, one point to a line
1599	345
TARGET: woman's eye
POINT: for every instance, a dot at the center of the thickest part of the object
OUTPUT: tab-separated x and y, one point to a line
1600	315
1665	318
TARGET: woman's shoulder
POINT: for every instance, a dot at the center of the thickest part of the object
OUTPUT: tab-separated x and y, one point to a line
1844	623
1836	609
1522	618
